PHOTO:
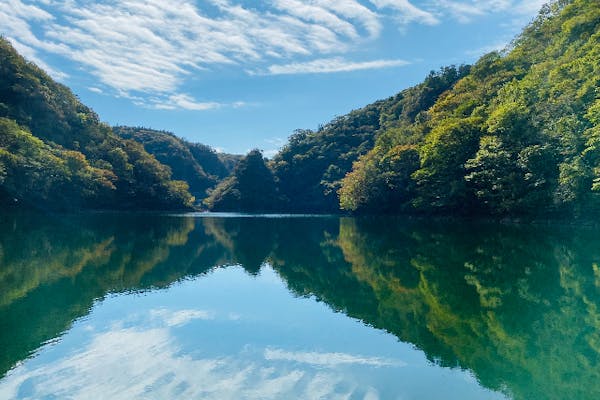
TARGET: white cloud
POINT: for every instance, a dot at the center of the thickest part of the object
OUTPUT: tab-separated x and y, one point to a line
354	10
181	101
149	48
136	46
312	13
185	102
240	104
530	7
16	18
270	153
407	11
278	141
330	65
275	144
31	54
466	11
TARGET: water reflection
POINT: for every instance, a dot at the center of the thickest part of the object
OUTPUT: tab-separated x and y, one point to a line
517	306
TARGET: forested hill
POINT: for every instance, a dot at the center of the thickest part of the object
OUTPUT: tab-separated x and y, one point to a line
308	171
197	164
517	133
56	155
520	134
310	167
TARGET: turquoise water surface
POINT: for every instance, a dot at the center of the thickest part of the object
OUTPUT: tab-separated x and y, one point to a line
234	307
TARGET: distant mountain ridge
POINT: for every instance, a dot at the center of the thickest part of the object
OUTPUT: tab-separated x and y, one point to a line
197	164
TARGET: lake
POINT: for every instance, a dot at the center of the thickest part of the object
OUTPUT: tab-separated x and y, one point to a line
121	306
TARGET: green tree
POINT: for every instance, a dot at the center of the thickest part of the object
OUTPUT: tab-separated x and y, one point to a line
440	181
250	188
57	155
381	183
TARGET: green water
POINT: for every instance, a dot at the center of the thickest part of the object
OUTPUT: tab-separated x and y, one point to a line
224	307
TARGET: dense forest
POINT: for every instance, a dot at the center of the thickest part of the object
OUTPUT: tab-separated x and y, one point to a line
311	166
308	171
251	186
516	133
55	154
195	163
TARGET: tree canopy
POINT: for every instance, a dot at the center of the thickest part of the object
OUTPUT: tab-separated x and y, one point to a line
56	154
197	164
251	187
516	135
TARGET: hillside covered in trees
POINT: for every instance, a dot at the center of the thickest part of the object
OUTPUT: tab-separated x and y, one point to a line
55	154
195	163
309	169
516	133
312	164
250	187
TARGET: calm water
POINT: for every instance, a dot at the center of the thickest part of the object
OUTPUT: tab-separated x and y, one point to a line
157	307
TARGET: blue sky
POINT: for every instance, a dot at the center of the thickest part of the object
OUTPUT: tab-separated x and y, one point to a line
238	74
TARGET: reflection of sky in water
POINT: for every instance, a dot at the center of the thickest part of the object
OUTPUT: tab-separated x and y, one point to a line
230	336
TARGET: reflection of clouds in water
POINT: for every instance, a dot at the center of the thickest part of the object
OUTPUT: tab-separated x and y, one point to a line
181	317
329	359
129	363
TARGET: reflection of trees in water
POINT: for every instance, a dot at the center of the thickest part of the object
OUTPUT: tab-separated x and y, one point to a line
54	268
248	240
516	305
115	252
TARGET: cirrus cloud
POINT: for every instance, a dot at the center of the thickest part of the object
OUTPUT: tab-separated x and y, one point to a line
147	50
330	65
